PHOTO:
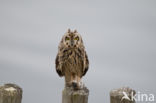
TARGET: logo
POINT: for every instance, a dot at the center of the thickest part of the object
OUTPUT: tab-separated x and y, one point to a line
138	97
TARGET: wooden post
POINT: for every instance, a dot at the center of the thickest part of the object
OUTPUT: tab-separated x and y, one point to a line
69	95
122	95
10	93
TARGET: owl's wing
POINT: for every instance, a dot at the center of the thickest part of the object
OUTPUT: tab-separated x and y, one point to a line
58	66
86	64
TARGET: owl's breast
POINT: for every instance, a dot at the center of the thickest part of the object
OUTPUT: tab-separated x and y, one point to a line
73	62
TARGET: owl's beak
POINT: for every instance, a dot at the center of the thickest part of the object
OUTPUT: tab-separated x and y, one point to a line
72	43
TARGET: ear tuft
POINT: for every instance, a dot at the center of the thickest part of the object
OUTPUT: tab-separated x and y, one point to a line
75	31
69	30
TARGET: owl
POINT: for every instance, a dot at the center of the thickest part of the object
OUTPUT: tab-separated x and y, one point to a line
72	60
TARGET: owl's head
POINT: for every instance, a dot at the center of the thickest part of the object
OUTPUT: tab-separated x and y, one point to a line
72	39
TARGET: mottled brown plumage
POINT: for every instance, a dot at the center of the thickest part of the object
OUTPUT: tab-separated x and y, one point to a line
72	60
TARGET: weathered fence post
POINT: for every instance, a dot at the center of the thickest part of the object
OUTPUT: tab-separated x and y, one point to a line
10	93
122	95
69	95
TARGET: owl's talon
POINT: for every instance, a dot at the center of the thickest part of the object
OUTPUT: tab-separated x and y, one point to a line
81	84
74	84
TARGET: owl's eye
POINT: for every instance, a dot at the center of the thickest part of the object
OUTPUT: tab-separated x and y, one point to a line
67	38
77	38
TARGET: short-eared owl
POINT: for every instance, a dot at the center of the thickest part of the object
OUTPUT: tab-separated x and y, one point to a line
72	60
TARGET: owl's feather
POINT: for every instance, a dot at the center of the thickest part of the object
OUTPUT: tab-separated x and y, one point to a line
58	66
86	64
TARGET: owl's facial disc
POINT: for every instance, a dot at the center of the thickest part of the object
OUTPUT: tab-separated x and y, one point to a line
71	41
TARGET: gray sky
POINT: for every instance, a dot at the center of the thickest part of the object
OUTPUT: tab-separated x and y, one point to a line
119	35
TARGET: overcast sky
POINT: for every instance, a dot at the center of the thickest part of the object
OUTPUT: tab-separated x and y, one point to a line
119	36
